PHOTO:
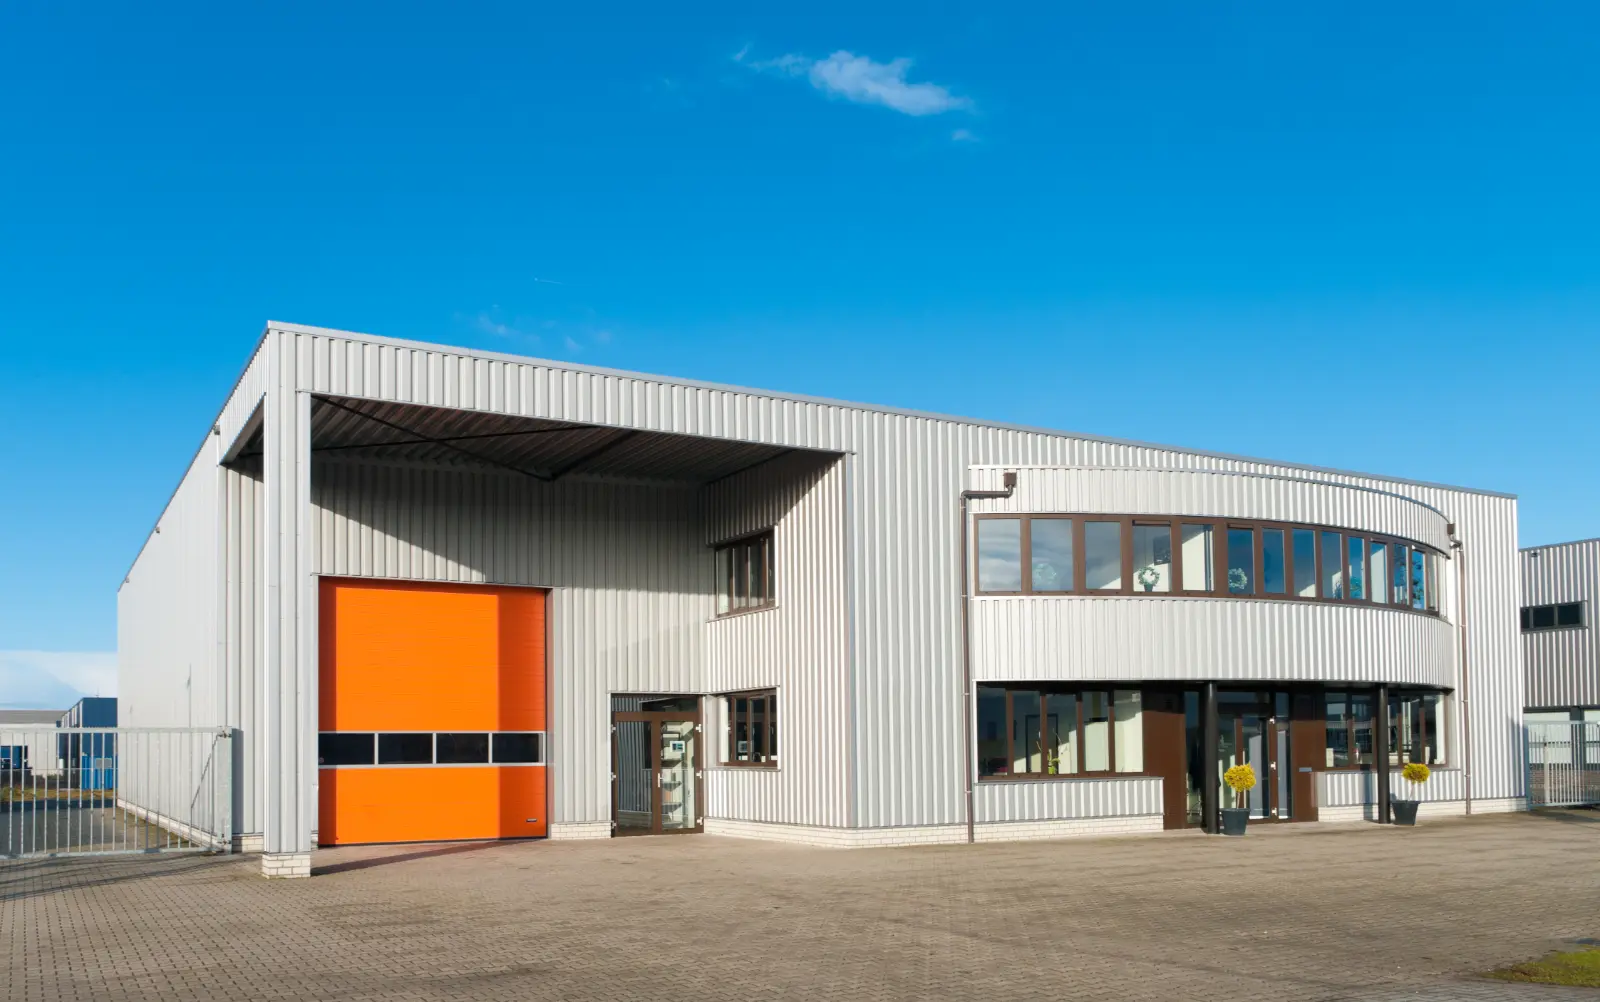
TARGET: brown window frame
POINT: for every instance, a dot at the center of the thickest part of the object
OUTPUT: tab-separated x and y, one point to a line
769	697
1397	699
1220	527
739	548
1045	691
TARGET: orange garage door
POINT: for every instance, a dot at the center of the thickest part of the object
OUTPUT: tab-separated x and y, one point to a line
431	712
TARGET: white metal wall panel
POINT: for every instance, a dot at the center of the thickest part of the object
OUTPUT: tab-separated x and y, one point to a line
903	474
1223	494
1353	789
630	570
1060	799
800	646
1563	666
1194	639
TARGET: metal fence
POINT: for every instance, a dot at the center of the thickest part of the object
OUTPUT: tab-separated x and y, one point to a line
1563	763
85	790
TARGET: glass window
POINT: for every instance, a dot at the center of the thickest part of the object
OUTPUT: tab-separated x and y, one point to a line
999	554
1419	578
1152	557
1544	617
1380	572
992	757
461	749
1052	553
1025	732
1361	728
1569	614
1199	559
1272	582
513	748
744	574
1129	739
1096	731
1061	732
1102	555
1305	563
1434	567
1242	561
1357	568
1332	566
1338	730
405	749
1399	593
344	749
1414	730
1527	619
752	728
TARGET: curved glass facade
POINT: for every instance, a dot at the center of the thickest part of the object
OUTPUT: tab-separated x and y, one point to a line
1099	554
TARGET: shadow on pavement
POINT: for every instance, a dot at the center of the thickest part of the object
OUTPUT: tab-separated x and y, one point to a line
401	857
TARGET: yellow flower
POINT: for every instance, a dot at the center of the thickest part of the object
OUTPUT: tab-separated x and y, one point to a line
1240	778
1416	772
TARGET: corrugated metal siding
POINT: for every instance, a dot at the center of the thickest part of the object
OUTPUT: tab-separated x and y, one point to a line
1563	666
1057	799
1352	789
628	564
904	472
1195	639
800	646
1204	492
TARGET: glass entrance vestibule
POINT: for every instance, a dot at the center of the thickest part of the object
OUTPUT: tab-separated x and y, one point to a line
1191	735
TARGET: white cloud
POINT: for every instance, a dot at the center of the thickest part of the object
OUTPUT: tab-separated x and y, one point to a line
54	680
863	81
963	136
489	325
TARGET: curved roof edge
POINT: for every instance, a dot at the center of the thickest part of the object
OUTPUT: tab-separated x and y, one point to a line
853	405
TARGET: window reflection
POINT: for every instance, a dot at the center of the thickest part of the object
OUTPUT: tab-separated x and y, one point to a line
1332	566
1051	560
1025	750
1102	555
1357	567
1272	582
1419	578
1398	592
1199	559
1380	572
1152	557
1305	563
1000	554
1241	561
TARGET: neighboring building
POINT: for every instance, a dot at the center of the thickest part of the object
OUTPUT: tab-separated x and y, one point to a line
452	594
1560	647
26	749
90	759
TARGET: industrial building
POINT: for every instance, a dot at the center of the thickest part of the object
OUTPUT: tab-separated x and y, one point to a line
451	594
1561	651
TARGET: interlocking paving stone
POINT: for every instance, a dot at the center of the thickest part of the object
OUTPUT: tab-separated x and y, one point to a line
1337	912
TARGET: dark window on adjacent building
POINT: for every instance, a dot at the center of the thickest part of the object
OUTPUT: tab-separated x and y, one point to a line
1560	616
744	574
344	749
405	749
463	749
1050	731
518	749
752	728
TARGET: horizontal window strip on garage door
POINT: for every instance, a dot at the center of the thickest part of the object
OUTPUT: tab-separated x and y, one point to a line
354	749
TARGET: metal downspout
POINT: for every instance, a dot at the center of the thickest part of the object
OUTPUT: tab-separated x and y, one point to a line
967	714
1466	684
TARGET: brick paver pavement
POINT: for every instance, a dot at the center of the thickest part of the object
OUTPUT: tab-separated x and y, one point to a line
1296	912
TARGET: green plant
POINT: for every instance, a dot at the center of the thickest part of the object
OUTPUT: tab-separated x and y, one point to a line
1415	772
1240	779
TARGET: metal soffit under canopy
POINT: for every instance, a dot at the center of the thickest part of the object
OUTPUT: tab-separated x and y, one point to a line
354	429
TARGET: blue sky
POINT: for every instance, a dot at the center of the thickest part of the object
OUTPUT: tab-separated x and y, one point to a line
1350	237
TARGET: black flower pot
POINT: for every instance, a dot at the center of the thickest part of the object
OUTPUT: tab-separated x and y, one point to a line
1234	820
1405	811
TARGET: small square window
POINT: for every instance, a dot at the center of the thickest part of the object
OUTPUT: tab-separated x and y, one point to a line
1569	614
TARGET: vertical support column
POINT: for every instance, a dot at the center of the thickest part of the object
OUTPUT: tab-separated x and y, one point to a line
288	734
1380	752
1210	813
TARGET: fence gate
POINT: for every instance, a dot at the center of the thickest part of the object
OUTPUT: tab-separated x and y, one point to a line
1563	763
86	790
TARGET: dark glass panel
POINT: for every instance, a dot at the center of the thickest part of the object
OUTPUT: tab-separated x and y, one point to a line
405	749
344	749
460	749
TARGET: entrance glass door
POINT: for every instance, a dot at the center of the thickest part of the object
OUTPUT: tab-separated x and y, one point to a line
1253	730
655	783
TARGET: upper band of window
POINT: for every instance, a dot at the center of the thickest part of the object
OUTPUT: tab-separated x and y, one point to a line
1201	556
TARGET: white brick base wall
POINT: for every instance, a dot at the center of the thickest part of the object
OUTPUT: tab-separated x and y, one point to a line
580	829
1426	809
286	864
1018	831
253	842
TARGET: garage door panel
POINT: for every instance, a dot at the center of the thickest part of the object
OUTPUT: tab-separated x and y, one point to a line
419	804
